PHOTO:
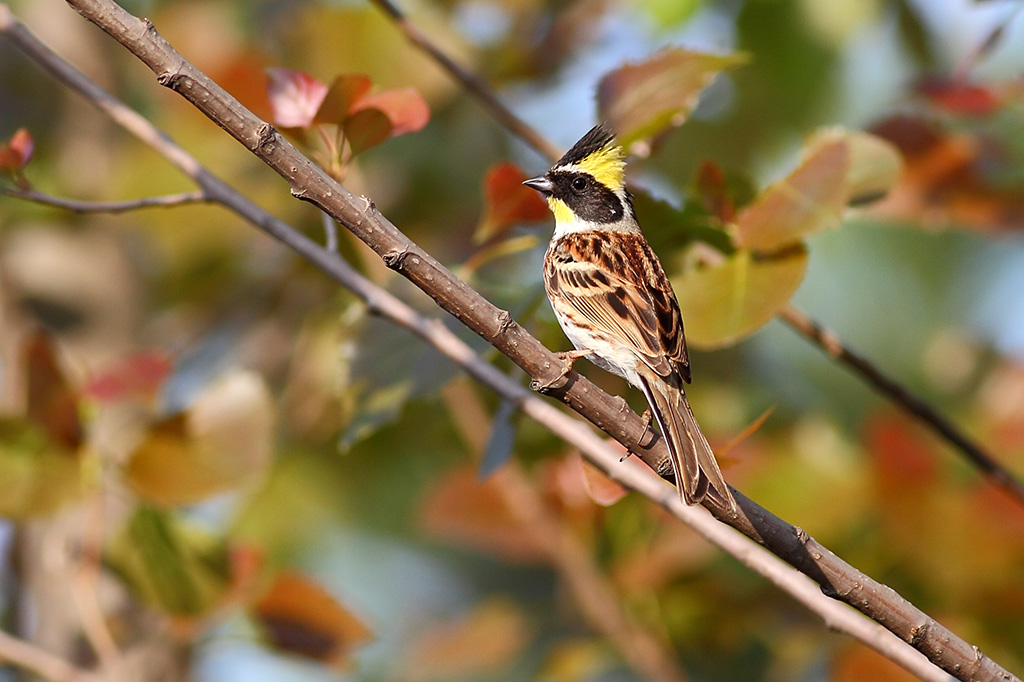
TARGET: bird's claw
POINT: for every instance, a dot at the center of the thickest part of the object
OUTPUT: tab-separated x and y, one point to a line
568	358
648	418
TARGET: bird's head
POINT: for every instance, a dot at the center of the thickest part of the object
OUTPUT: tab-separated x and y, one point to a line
586	188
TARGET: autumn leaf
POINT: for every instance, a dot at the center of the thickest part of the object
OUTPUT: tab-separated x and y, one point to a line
508	202
405	108
480	644
298	616
961	97
367	128
52	403
639	101
16	152
295	97
726	301
839	168
225	440
810	199
466	511
601	489
341	97
138	375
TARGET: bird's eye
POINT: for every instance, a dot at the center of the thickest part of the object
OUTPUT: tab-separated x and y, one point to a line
579	183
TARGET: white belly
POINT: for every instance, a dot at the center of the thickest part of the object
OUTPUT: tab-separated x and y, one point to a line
615	359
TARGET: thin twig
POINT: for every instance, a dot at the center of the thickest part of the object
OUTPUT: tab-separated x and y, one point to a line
830	344
75	206
990	467
469	81
85	590
30	657
612	414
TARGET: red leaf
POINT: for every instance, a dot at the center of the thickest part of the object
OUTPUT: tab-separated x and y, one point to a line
294	97
342	96
960	97
140	374
509	202
367	128
713	192
405	108
52	404
17	152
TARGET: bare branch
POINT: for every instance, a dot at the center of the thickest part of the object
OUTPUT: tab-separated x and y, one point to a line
800	322
830	344
76	206
361	218
30	657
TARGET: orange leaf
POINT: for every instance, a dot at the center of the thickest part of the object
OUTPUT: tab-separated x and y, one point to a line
480	644
367	128
17	152
405	108
809	199
341	97
508	202
467	511
601	489
52	404
300	617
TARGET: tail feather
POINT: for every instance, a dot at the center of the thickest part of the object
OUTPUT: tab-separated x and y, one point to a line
693	462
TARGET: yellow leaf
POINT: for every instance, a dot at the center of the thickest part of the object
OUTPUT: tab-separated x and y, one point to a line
724	302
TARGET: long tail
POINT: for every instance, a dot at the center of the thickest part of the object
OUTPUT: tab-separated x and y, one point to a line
693	462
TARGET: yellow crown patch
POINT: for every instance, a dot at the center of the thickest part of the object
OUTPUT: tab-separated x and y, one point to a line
607	165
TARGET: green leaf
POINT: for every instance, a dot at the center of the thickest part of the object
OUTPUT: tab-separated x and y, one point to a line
180	568
875	166
37	476
640	101
727	301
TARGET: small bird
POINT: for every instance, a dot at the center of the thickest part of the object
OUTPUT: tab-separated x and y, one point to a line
614	302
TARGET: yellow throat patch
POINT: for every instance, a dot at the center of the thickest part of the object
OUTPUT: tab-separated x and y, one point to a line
607	165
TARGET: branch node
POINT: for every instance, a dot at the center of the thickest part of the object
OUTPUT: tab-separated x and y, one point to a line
266	138
395	259
801	535
918	635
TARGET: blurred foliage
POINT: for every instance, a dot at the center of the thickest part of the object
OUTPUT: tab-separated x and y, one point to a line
297	480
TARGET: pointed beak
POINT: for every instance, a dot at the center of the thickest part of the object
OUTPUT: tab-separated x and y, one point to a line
541	184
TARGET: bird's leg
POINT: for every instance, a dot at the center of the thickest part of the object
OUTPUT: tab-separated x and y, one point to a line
648	418
568	358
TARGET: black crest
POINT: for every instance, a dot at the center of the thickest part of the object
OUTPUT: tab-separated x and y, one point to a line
596	138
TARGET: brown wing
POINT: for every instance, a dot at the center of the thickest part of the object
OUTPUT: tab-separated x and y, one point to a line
616	282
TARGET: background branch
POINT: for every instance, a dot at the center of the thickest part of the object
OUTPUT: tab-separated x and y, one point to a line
166	201
359	216
30	657
797	320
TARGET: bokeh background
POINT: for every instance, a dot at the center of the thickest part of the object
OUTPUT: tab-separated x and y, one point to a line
356	463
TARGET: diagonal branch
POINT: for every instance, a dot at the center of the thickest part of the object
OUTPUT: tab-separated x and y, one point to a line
383	303
359	215
798	321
